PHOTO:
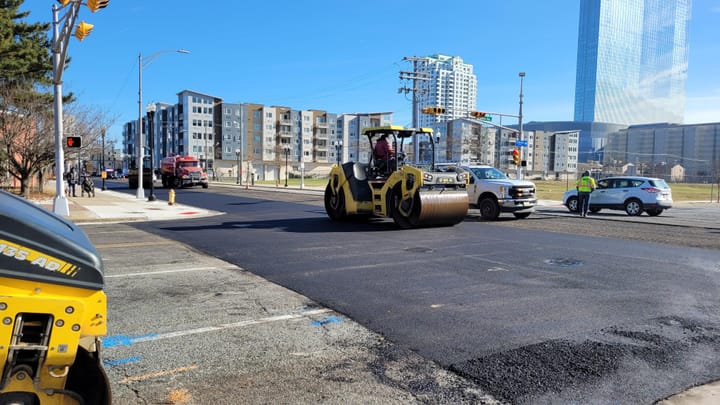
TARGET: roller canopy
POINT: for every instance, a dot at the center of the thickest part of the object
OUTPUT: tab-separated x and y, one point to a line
38	245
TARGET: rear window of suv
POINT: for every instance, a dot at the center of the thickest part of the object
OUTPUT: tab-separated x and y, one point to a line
659	183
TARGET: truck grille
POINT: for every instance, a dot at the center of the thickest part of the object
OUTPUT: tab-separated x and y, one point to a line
522	192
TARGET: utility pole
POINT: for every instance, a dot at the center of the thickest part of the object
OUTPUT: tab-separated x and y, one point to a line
416	77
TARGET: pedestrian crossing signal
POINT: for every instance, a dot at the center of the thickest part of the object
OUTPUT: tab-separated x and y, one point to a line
73	141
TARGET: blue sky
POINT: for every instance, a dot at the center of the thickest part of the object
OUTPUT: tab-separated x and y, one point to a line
345	56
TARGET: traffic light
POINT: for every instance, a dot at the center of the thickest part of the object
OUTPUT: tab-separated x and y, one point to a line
516	156
73	141
478	114
83	29
63	2
95	5
433	110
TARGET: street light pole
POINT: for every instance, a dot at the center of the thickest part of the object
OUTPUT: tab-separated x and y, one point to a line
287	154
142	62
151	140
140	153
520	117
237	170
102	161
338	147
522	137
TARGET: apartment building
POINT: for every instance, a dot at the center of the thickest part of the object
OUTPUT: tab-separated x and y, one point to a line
464	141
654	149
450	84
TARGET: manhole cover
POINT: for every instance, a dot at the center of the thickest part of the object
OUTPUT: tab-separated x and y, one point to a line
564	262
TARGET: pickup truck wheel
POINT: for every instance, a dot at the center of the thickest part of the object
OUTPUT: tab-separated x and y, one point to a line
489	209
521	215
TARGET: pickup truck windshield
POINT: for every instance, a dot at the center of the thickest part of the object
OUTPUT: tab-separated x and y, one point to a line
488	173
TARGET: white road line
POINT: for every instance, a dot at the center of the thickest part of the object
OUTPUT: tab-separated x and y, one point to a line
170	335
150	273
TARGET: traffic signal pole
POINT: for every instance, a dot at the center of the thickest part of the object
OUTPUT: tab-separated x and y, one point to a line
59	50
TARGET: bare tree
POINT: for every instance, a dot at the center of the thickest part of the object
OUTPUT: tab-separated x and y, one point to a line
27	133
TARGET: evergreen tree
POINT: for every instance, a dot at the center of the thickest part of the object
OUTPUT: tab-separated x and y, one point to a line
25	48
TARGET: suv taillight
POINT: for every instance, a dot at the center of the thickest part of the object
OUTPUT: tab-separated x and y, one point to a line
651	190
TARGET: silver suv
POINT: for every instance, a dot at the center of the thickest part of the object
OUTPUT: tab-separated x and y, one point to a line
632	194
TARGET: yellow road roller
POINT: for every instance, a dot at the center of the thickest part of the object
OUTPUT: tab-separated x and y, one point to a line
413	196
52	309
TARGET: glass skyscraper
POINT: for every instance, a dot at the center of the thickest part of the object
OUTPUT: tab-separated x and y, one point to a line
632	61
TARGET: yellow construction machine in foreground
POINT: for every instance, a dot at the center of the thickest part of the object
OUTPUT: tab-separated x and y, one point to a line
52	310
412	195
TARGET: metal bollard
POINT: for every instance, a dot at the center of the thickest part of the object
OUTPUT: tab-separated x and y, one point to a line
171	197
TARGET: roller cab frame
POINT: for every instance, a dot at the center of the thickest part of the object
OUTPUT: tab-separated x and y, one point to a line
52	309
413	196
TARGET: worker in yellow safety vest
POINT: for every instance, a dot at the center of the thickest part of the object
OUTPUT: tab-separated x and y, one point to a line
584	186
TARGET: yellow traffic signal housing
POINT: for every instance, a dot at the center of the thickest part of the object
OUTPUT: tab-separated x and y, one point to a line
95	5
516	156
478	114
64	2
433	110
83	30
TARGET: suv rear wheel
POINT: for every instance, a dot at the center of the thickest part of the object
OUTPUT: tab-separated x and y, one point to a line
572	204
633	207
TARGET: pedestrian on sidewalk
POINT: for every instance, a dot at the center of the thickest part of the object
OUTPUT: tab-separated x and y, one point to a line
72	179
584	186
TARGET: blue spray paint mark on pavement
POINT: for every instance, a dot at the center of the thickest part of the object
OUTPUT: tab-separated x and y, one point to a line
122	340
326	321
121	361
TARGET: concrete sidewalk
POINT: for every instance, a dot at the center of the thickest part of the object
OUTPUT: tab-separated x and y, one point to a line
111	206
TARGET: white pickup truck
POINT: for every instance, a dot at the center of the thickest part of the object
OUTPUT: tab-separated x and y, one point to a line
492	192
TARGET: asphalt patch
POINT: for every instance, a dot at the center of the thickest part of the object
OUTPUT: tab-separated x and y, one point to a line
541	368
556	367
